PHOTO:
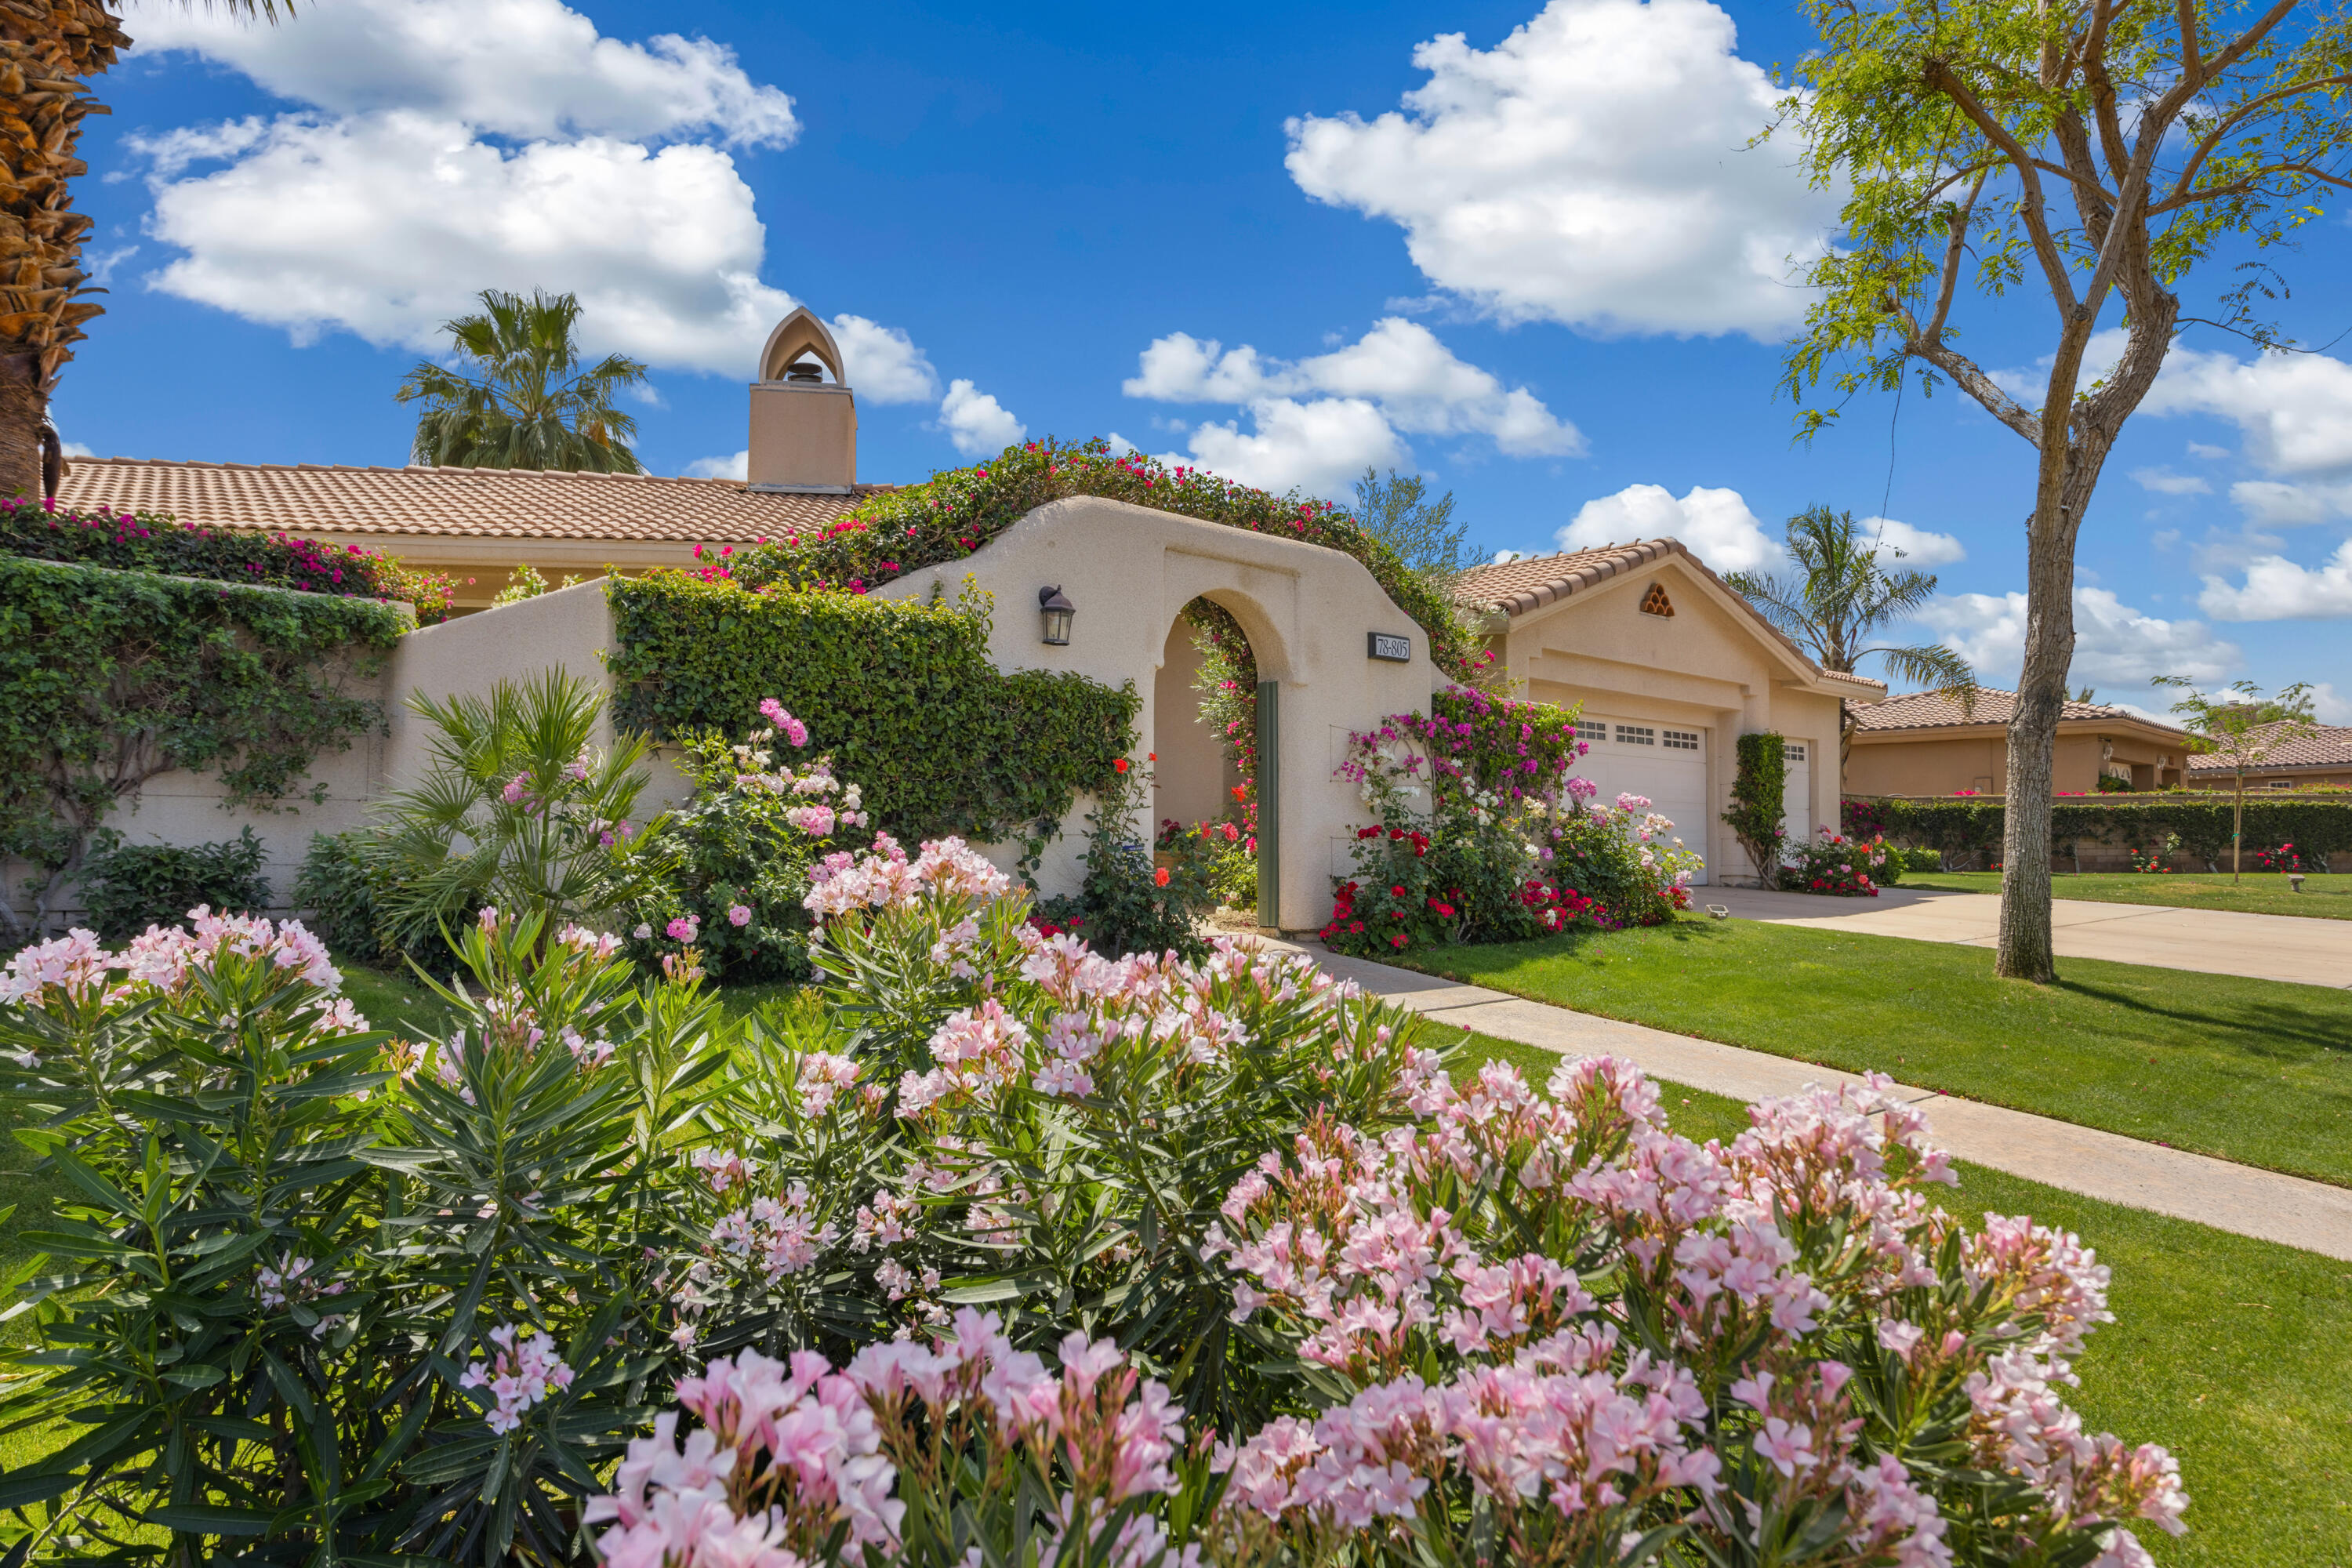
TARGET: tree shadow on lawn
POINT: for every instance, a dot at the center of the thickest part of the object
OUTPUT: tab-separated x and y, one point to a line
2253	1026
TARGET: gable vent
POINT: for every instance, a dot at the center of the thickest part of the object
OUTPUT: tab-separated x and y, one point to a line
1656	603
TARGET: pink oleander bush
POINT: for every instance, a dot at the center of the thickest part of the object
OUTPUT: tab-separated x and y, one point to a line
999	1251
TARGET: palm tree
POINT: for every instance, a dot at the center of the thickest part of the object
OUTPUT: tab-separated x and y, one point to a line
1844	594
533	406
48	50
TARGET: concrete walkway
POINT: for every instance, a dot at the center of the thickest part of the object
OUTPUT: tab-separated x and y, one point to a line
2210	942
2309	1215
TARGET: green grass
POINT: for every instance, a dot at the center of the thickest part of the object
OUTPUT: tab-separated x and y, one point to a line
2324	897
2236	1355
2252	1070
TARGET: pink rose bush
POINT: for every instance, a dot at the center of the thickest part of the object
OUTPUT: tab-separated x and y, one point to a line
1480	833
998	1246
740	853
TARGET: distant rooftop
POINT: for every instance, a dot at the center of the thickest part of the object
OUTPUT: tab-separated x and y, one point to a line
323	498
1940	710
2329	747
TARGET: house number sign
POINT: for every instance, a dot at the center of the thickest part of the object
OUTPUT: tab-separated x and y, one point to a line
1389	646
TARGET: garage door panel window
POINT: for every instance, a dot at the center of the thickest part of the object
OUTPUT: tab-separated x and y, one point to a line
1663	763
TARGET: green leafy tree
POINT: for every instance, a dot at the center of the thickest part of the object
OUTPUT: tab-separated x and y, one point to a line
1842	594
1398	512
530	404
2091	155
2246	729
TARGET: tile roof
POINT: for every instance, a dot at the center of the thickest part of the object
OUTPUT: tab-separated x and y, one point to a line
460	503
1519	587
1937	709
2329	747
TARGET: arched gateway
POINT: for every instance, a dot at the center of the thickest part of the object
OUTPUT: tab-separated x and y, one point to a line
1334	653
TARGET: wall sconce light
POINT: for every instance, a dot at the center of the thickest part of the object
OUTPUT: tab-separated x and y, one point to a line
1056	611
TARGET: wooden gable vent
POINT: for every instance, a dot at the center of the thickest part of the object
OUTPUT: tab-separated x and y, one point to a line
1656	603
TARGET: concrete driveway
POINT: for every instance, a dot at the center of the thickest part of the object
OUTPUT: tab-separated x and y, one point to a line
2210	942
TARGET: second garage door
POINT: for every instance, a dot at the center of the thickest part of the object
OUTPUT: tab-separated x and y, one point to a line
1665	762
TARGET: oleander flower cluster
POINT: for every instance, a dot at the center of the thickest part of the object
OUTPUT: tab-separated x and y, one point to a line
797	1462
1554	1311
990	1243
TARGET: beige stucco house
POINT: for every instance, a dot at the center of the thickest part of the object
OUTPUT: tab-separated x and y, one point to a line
1669	666
1927	743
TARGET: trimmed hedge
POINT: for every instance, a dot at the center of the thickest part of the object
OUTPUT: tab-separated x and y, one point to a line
144	542
2319	828
109	678
900	693
126	888
958	510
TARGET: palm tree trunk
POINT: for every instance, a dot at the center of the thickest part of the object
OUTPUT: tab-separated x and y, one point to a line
48	49
23	408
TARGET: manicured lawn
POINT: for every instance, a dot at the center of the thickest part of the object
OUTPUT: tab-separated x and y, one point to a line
2257	893
2250	1070
2235	1354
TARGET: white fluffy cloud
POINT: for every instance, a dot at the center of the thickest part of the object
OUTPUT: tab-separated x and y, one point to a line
2277	589
1318	422
457	145
976	422
737	467
1593	168
1918	546
1715	525
2165	482
2115	645
2295	409
512	68
1318	446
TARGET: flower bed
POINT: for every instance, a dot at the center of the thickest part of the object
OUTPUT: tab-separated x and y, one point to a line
1008	1248
144	542
1840	866
1482	835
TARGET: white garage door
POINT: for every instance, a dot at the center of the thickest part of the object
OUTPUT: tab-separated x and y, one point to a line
1797	794
1663	761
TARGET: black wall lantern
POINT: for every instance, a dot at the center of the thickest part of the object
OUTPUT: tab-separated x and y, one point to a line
1056	612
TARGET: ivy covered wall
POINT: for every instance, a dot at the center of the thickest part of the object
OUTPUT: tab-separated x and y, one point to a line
900	692
110	677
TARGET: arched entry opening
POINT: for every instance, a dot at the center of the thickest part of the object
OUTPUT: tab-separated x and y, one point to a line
1204	734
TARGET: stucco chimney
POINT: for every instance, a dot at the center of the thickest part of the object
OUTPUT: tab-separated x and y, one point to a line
804	427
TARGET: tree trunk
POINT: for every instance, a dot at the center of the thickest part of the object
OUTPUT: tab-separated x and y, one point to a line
2237	827
22	408
2025	950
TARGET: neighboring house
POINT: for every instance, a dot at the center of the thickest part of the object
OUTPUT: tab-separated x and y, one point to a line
1924	743
1670	666
479	524
2323	758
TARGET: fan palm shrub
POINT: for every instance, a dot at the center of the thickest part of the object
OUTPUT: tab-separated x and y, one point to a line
519	810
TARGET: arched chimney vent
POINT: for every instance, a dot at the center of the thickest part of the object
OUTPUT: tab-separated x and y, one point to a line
804	427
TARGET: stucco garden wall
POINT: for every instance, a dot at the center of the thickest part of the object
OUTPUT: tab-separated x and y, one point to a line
1130	571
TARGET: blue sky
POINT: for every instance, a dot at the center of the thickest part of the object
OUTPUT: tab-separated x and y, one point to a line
1549	280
